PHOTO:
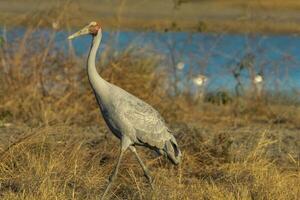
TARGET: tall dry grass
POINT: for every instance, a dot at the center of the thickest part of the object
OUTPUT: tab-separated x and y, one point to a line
54	144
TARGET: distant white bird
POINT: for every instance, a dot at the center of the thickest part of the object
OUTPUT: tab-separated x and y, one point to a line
180	66
258	85
130	119
200	80
258	79
55	25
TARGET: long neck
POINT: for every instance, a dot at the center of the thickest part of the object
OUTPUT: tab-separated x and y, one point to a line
99	85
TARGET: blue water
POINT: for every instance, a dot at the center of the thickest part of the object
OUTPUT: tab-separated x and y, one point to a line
214	55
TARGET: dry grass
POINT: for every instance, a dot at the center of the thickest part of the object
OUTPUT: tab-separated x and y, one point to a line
70	162
54	144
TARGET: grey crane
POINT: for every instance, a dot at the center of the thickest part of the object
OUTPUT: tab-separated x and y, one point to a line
129	118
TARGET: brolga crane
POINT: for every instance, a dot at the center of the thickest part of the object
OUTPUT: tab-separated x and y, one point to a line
130	119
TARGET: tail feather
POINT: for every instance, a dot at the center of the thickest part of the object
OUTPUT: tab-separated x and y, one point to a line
172	151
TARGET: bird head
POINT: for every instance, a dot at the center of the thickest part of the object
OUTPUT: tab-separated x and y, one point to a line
91	29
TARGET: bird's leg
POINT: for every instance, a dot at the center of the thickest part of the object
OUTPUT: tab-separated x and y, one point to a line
145	169
124	145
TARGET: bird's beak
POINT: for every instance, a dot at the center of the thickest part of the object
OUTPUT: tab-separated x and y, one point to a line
83	31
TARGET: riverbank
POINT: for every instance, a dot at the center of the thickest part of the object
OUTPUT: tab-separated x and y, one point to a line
235	16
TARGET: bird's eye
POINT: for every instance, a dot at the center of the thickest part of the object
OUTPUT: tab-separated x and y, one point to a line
93	29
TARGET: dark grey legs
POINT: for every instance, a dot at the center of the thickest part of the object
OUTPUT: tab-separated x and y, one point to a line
124	145
145	169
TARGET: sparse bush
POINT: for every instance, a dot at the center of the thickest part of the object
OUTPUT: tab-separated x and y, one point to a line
219	97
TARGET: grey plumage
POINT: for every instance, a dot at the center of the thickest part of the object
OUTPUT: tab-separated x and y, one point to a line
132	120
127	114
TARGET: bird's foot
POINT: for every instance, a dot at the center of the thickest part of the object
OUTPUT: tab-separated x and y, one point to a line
149	180
111	178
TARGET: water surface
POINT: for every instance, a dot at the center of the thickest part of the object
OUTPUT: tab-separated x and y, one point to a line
213	55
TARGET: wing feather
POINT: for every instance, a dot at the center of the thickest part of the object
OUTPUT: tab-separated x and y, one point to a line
150	128
144	117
